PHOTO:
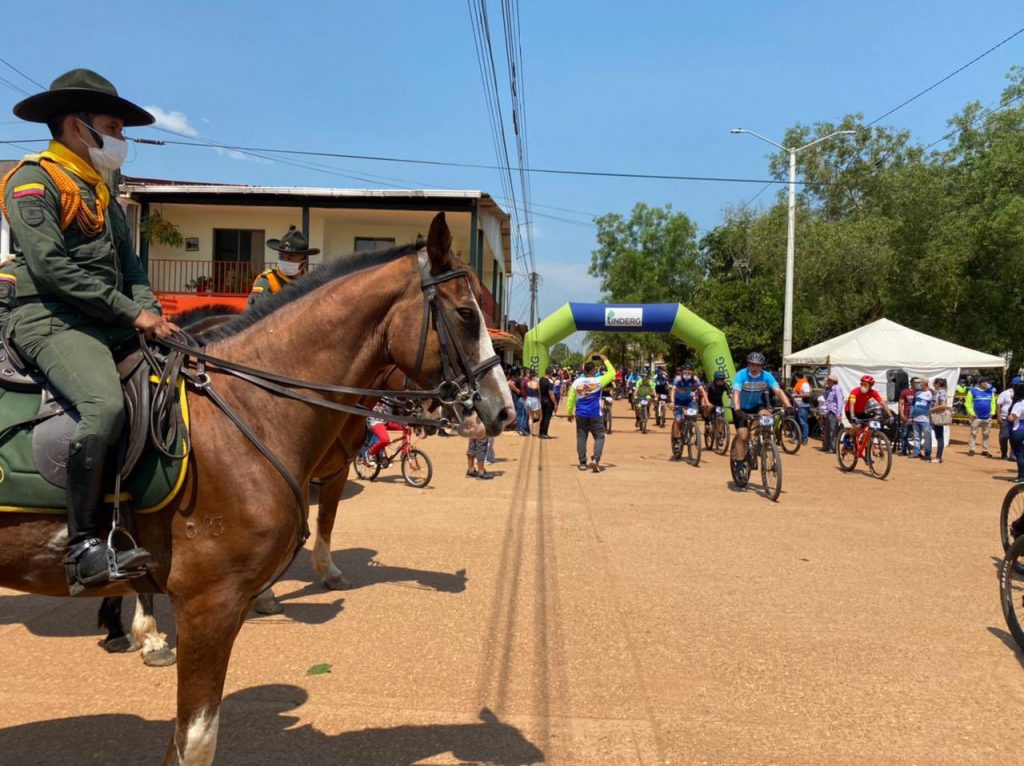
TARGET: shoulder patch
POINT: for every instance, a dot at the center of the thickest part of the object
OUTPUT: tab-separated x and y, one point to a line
257	289
31	210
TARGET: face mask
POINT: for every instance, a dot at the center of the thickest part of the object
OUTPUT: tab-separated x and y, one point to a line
290	269
111	155
865	389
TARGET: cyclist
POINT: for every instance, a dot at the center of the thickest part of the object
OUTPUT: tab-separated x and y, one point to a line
750	394
632	378
857	402
686	388
661	386
642	395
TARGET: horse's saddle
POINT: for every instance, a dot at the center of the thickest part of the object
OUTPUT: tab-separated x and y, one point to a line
36	425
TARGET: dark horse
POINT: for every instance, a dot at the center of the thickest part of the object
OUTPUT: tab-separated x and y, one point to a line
234	526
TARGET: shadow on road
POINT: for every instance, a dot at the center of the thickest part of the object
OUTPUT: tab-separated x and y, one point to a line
1010	644
255	729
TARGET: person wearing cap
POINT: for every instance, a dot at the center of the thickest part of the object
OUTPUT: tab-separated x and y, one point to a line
81	289
293	253
833	413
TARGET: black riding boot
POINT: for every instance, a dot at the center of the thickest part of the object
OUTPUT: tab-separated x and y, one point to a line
87	564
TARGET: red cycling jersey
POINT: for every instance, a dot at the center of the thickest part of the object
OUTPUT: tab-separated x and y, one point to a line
859	400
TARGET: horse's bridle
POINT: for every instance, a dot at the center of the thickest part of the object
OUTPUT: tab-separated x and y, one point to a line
459	389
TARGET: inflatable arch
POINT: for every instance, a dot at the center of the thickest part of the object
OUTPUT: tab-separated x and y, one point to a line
709	342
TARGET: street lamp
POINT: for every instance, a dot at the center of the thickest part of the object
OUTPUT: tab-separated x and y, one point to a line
787	328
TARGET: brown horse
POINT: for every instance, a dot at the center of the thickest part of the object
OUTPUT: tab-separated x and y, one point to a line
235	524
331	475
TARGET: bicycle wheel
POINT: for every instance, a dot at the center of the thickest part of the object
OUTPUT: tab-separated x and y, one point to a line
771	470
693	444
879	455
607	420
417	469
740	468
846	451
643	421
677	448
721	429
709	434
789	436
1013	509
367	469
1011	590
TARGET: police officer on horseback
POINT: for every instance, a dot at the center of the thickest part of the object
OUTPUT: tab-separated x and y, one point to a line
81	290
293	261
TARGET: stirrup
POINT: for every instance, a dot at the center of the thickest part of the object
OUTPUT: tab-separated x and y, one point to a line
114	570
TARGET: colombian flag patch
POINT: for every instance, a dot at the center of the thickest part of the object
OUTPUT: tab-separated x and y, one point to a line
29	190
8	278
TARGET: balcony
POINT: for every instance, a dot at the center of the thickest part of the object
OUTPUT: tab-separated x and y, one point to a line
181	284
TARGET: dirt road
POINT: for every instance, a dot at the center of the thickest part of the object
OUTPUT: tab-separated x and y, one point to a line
647	615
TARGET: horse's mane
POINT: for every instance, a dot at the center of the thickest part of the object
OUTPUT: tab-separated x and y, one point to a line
318	277
194	316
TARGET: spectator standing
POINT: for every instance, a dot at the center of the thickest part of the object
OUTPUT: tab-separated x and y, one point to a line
515	385
1017	429
1003	403
920	412
834	402
585	405
476	453
906	401
548	402
802	400
532	401
981	404
941	415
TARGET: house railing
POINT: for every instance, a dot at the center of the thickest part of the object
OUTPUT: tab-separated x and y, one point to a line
203	277
224	278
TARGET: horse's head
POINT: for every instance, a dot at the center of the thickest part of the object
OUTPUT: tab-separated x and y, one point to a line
453	349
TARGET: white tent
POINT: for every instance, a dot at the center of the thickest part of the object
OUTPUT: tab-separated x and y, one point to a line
876	348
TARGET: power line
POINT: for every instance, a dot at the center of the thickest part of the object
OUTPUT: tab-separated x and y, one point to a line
947	77
11	66
974	122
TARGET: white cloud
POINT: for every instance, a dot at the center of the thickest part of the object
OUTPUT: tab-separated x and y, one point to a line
176	122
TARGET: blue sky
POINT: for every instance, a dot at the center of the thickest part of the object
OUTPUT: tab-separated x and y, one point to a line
648	87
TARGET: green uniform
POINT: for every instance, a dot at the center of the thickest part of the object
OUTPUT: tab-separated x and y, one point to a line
77	296
266	284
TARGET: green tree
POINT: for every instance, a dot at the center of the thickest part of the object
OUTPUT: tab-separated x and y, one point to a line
558	353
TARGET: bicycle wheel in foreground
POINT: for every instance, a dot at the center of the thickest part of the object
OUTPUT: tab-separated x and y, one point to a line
771	471
417	469
879	455
789	435
1011	590
846	451
693	444
1013	509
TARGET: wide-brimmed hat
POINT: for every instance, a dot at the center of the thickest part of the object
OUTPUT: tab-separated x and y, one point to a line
293	243
81	90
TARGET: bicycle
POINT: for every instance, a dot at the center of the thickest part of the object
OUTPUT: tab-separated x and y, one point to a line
606	412
659	410
786	431
641	407
417	470
1011	511
716	432
1011	589
865	439
689	437
761	452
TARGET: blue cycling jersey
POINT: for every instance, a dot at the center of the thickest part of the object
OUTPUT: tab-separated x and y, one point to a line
753	390
683	389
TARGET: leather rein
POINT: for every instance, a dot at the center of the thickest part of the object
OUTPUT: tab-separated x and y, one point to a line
459	389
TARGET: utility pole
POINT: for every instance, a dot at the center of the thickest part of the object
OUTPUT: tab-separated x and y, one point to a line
534	282
787	319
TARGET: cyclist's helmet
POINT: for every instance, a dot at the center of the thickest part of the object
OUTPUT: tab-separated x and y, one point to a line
719	374
687	366
872	408
867	380
756	357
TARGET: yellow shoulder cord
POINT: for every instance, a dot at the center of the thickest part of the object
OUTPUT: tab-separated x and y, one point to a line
72	206
275	283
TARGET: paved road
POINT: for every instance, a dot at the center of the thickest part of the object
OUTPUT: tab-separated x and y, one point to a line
647	615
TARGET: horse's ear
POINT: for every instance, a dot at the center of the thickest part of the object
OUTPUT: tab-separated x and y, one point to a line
487	716
439	244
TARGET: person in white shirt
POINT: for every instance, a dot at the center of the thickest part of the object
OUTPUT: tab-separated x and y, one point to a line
1003	402
1017	429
